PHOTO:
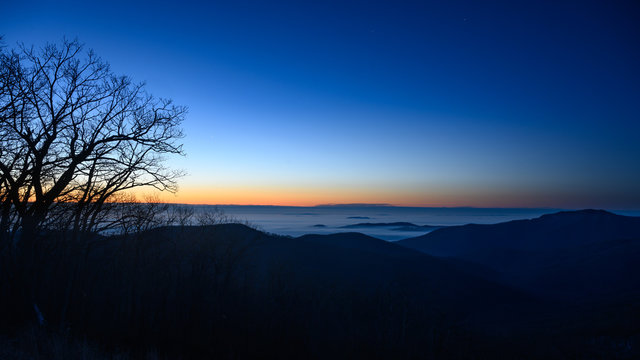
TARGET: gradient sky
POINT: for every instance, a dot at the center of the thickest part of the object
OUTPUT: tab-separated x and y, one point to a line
446	103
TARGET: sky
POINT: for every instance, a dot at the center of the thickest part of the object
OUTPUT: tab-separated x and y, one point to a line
429	103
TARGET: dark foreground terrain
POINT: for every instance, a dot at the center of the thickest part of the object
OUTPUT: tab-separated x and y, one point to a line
563	286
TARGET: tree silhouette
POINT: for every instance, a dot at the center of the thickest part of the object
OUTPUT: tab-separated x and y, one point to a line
73	135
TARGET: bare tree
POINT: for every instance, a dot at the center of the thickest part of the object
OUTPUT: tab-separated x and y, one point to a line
73	135
213	216
181	215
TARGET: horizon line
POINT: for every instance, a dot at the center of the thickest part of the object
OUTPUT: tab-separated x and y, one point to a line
346	205
399	206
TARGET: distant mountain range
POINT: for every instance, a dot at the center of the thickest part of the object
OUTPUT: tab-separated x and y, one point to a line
574	255
356	205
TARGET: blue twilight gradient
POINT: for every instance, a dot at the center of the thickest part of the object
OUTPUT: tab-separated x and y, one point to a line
531	103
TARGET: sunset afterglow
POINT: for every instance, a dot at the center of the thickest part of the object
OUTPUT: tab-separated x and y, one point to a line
463	104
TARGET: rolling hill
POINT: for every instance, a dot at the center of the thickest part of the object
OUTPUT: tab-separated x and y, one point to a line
577	255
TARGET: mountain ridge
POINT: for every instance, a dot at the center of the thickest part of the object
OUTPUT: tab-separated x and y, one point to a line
568	255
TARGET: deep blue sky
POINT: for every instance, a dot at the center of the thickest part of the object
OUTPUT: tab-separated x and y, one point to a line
417	103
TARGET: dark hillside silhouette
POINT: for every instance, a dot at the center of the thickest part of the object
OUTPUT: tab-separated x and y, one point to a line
552	231
578	255
233	291
229	290
584	264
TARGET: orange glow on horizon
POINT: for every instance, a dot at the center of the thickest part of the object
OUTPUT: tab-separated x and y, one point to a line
293	196
302	196
274	196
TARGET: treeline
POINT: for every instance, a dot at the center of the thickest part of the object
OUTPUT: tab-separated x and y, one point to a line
210	291
229	291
